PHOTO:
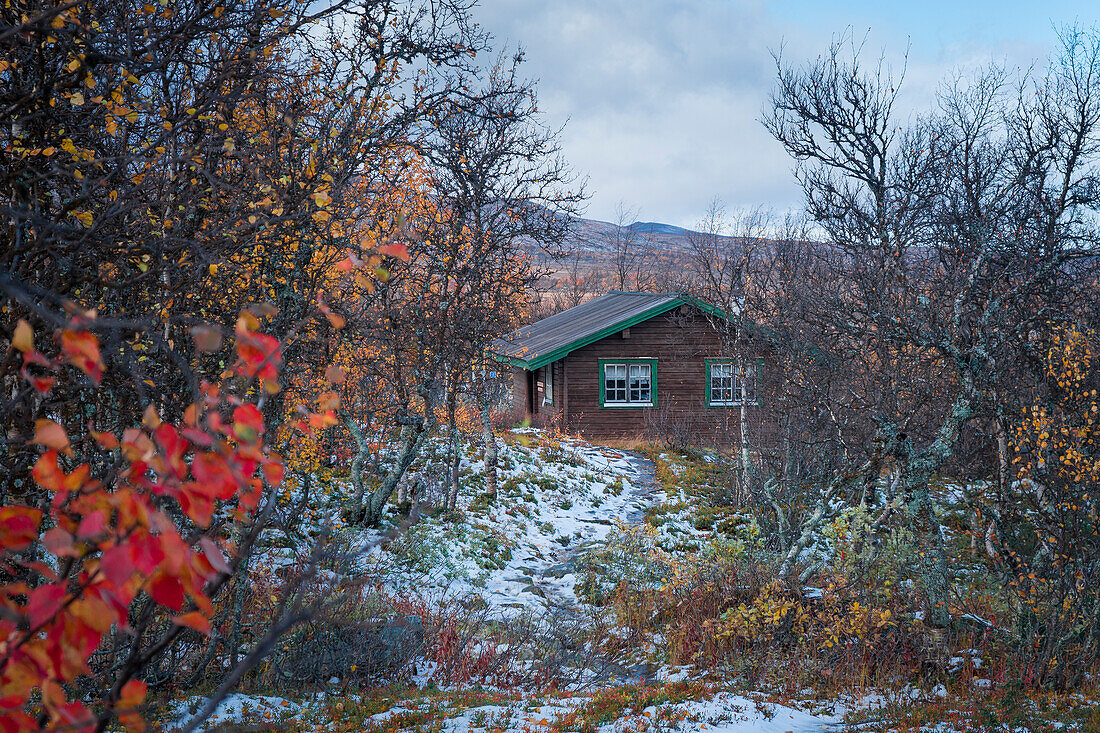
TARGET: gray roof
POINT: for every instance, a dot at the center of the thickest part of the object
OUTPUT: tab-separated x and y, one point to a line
552	338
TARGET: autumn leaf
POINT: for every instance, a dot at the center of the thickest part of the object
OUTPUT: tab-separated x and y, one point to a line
106	440
50	434
92	525
214	555
335	375
328	401
193	620
167	591
59	542
18	526
207	338
23	338
248	423
81	349
150	418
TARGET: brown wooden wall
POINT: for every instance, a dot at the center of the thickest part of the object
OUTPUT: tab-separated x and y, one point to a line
680	341
523	381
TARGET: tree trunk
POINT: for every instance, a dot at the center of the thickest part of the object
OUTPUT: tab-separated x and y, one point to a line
490	441
240	583
823	506
932	554
413	436
355	507
456	452
746	452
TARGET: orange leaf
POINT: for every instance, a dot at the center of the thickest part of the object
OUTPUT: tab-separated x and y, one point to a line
193	620
50	434
81	348
132	693
106	440
150	418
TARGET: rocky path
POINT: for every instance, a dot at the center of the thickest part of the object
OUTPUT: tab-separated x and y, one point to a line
643	492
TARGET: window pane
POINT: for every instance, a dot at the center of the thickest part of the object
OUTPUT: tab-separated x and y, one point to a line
722	383
614	383
639	383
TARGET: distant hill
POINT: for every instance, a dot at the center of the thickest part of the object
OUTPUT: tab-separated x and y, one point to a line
595	236
651	227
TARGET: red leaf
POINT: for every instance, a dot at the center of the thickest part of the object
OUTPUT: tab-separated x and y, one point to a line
18	526
44	603
214	555
398	250
92	525
198	437
167	591
59	542
259	354
273	473
248	423
146	552
43	384
196	504
117	564
132	694
77	718
214	474
174	447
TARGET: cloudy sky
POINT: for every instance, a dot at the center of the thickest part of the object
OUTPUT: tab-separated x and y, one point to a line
661	98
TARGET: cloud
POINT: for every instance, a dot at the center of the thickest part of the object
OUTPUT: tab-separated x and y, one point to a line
662	97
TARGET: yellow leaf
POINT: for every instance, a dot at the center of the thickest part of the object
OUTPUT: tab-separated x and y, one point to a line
23	338
151	419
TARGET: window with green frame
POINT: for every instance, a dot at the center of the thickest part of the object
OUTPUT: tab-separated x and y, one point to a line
732	382
628	382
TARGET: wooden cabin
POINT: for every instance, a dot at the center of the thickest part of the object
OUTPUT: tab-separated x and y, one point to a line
658	366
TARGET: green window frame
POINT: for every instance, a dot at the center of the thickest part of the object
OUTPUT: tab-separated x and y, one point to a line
628	382
722	379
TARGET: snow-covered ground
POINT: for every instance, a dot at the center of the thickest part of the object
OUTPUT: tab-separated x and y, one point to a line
723	713
559	501
518	553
